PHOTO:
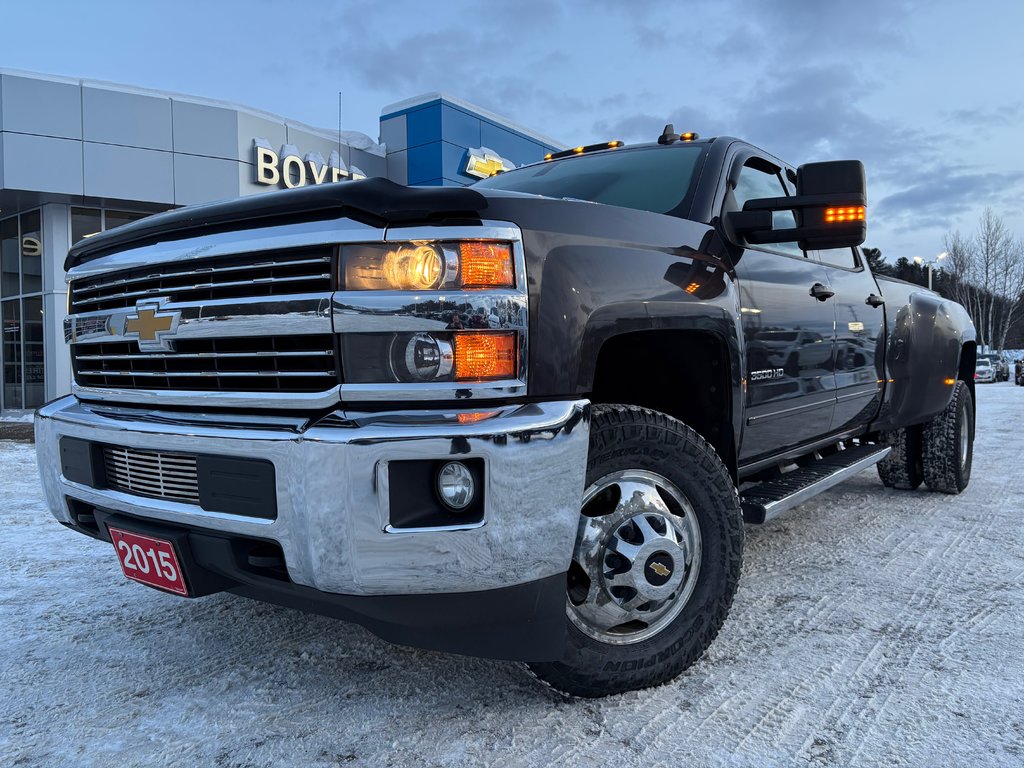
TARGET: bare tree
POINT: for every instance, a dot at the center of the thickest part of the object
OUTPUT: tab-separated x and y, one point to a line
960	268
986	273
1010	286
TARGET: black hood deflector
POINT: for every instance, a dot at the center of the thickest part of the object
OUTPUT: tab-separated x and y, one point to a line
376	201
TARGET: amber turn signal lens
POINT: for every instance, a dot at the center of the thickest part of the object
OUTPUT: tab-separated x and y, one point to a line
472	417
484	356
853	213
486	265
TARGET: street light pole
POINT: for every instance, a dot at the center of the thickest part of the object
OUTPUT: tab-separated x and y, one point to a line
929	263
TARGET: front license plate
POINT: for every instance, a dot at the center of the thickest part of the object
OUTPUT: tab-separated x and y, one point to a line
149	561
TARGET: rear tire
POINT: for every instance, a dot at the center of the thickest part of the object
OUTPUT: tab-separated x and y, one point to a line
657	558
902	468
948	444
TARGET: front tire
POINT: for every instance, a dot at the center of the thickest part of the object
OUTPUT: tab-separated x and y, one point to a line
658	556
948	444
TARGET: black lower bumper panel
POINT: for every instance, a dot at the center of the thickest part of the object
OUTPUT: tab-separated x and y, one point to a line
525	622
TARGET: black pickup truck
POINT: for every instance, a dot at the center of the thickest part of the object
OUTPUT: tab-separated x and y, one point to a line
522	420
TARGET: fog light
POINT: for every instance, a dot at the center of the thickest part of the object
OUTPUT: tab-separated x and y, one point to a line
455	485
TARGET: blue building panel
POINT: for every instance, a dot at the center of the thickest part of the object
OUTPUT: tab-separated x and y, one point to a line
459	127
453	163
423	163
438	135
509	144
423	126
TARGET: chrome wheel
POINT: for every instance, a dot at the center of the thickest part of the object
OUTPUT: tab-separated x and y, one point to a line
637	557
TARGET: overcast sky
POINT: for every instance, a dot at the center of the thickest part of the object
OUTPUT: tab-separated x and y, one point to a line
930	95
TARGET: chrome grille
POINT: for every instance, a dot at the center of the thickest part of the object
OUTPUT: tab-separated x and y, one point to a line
242	364
271	273
152	473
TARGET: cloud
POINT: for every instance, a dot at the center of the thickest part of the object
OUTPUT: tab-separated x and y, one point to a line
643	127
802	29
982	118
938	196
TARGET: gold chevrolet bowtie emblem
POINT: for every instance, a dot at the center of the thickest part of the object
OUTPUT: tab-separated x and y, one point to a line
660	569
485	166
150	325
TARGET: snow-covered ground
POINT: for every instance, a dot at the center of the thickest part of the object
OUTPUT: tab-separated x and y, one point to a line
871	627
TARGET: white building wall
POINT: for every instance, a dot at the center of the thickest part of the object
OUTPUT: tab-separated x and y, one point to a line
56	239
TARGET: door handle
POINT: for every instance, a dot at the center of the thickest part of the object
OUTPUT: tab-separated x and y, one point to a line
821	293
874	300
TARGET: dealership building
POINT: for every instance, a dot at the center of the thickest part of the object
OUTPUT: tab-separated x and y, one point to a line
78	157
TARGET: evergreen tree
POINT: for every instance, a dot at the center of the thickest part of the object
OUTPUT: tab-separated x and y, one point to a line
879	266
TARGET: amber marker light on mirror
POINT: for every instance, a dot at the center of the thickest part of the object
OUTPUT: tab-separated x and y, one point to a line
486	265
851	213
481	356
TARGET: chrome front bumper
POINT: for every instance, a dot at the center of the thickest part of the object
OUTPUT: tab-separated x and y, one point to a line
332	490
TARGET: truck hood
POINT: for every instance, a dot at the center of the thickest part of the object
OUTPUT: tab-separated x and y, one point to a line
376	201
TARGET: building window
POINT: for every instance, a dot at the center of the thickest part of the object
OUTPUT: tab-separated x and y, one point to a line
11	352
86	222
9	258
114	219
21	311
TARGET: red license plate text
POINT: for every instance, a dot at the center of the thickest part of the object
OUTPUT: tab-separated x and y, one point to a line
149	561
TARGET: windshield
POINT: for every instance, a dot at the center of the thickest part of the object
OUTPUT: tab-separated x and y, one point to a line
653	179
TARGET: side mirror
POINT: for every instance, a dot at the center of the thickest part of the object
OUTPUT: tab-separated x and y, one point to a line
829	208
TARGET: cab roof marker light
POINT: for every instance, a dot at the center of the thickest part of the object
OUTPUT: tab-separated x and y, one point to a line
669	136
582	150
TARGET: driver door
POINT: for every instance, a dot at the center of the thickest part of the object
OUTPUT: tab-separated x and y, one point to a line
788	333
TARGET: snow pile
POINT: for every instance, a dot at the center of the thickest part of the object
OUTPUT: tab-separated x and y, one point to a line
871	627
25	417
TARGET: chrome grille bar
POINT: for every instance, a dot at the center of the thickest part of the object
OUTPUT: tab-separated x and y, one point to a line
152	473
277	273
227	374
253	363
179	290
204	355
95	284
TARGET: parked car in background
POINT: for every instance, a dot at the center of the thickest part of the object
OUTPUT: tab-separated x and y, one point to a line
984	372
999	364
1018	373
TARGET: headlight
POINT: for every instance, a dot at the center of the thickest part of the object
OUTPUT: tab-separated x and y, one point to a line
425	266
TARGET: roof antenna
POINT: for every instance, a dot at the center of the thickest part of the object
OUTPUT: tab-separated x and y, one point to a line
342	159
668	135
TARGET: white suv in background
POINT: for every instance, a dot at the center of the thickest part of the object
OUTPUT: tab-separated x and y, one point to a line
984	372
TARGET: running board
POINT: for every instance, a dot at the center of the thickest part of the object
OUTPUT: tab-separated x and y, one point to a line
770	499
